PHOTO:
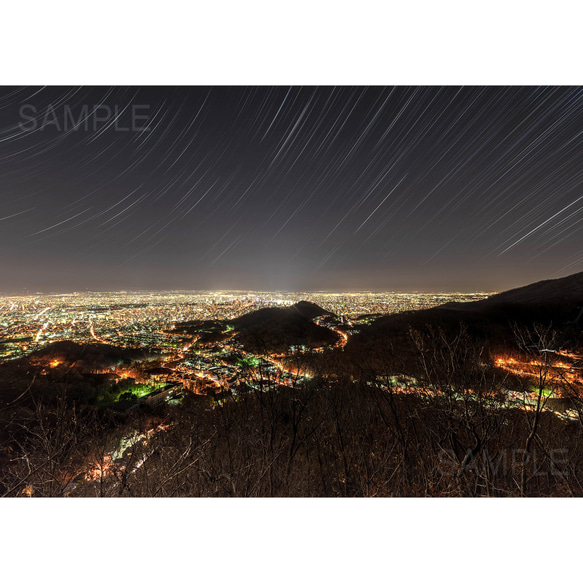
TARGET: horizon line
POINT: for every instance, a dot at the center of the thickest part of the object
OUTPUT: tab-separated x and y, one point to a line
246	291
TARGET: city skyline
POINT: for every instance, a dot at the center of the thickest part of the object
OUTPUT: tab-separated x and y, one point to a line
333	189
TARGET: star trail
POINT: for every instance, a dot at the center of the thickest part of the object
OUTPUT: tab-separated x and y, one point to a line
289	188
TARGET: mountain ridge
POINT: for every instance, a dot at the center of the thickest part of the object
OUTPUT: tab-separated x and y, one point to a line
555	302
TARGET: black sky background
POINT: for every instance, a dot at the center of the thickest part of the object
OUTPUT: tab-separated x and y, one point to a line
301	188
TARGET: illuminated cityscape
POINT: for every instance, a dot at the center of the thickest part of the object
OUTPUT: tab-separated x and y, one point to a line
146	320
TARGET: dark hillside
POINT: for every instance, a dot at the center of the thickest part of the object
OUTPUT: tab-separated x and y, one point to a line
276	329
556	302
305	310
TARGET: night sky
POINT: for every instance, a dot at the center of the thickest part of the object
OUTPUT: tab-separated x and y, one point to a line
279	188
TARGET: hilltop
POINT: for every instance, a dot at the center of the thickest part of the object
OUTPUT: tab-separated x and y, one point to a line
303	309
276	329
87	356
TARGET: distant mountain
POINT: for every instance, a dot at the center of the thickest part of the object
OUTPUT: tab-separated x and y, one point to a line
566	291
558	302
276	329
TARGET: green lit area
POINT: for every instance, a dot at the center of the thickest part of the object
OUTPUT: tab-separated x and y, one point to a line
248	361
140	390
126	393
545	392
